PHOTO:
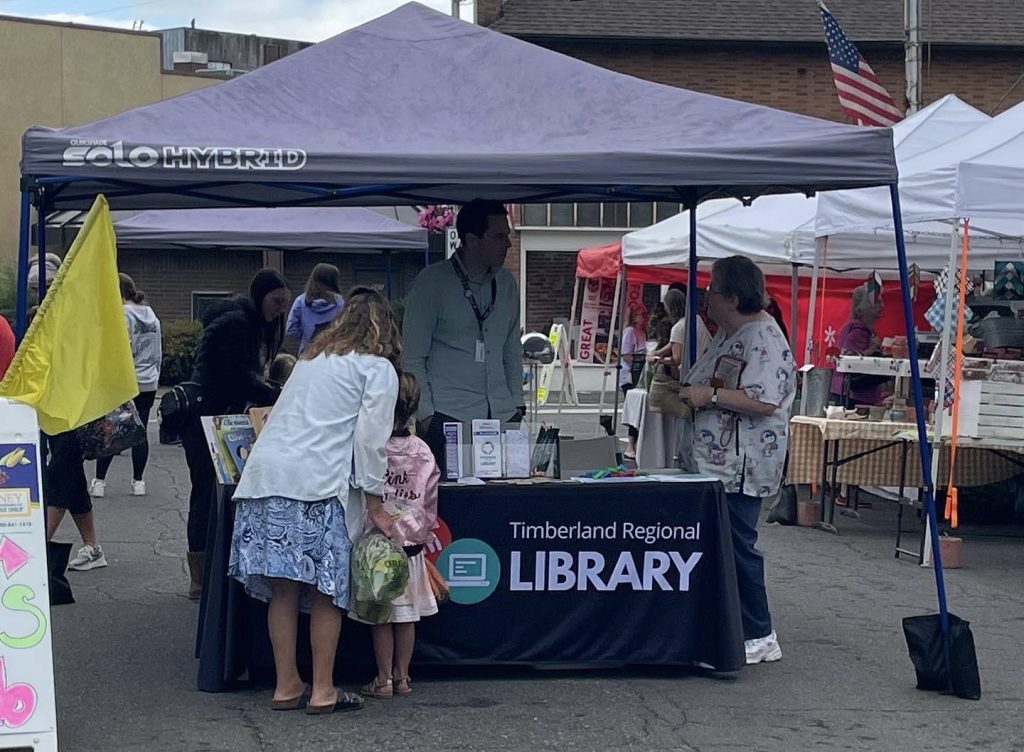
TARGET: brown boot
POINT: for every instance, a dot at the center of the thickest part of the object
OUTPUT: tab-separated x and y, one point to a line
196	565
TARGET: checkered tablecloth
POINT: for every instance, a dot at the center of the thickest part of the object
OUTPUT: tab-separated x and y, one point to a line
974	467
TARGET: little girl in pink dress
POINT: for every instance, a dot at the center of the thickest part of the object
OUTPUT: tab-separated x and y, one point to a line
410	497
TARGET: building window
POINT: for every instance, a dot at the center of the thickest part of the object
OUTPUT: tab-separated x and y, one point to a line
609	215
614	215
535	215
588	215
271	52
665	209
203	300
641	215
562	215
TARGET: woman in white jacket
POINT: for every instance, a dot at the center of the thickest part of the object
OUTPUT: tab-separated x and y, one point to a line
147	351
316	466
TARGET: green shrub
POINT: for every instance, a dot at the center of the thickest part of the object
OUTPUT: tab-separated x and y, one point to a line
181	338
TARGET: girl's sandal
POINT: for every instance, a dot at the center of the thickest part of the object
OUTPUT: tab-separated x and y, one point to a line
403	686
378	690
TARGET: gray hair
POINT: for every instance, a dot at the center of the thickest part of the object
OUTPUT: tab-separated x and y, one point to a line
862	301
739	277
675	304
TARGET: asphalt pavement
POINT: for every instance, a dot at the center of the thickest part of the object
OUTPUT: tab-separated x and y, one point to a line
125	672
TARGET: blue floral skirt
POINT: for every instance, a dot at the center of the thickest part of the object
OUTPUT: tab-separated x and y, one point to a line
305	541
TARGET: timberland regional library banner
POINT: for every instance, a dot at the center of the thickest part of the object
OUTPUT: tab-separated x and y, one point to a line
638	572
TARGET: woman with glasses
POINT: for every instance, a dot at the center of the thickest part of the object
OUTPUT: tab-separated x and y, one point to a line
741	390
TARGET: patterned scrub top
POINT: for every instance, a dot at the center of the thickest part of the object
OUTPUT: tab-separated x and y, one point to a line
747	453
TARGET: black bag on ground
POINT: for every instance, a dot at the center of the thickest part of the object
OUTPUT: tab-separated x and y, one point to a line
57	556
783	509
178	405
925	642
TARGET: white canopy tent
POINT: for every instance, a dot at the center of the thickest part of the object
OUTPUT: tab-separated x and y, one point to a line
990	186
781	229
928	186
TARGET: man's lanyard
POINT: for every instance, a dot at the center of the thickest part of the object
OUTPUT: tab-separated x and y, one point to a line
480	317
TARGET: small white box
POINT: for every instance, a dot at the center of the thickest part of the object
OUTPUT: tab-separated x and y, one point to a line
487	448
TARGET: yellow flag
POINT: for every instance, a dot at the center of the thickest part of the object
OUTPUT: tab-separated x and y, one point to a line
75	363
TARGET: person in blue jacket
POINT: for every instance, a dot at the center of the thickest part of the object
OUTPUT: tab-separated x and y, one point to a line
314	309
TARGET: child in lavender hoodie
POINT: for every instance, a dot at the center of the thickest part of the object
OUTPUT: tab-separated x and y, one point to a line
316	308
410	498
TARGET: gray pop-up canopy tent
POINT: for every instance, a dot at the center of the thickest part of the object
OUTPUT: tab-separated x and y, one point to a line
420	108
344	229
337	228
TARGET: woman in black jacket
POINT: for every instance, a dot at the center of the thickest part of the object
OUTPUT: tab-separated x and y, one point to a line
240	335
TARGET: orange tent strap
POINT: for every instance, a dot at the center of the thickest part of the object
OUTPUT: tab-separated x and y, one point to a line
952	493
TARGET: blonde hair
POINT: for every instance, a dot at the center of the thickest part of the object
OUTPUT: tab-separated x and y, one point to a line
366	325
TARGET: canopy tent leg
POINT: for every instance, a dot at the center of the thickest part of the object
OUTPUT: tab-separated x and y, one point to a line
622	322
611	339
794	308
569	348
41	241
819	244
387	273
21	310
922	431
691	297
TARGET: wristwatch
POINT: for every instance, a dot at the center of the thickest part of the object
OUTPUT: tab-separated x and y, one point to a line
714	396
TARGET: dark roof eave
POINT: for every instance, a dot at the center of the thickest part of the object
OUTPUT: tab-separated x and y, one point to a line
546	38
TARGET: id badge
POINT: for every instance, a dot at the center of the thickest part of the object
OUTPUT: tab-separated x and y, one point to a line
480	350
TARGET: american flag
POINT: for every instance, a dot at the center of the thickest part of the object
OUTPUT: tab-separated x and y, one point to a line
861	95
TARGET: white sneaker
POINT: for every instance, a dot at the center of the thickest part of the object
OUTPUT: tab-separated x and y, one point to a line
88	557
138	488
98	488
763	649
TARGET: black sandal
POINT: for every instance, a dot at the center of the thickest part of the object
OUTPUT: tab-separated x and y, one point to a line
345	703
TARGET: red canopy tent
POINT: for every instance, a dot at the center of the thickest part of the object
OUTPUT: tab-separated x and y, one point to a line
605	262
833	305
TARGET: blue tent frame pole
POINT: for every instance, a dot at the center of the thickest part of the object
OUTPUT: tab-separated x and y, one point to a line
691	302
41	241
387	272
922	431
21	309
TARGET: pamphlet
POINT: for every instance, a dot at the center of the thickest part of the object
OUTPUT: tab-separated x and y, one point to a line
454	466
229	439
517	453
487	448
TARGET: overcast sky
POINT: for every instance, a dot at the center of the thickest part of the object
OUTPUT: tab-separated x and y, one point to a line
306	20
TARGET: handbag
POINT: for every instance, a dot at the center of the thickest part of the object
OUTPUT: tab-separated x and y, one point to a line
180	404
663	396
116	431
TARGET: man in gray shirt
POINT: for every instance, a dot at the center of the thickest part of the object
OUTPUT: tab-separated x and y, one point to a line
461	331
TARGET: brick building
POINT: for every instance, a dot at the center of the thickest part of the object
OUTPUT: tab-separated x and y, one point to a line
771	52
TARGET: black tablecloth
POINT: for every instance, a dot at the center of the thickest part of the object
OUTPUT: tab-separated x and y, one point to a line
560	573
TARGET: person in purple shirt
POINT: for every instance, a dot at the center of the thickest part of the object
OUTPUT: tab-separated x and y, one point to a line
857	337
317	306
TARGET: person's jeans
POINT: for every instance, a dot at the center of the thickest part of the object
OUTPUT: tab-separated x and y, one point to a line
744	512
204	483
